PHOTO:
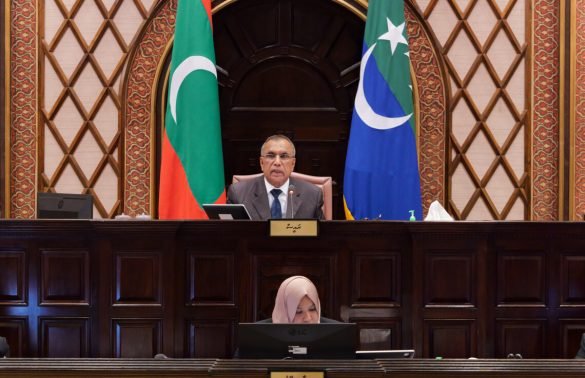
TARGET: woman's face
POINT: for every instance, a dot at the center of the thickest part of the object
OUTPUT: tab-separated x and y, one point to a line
306	312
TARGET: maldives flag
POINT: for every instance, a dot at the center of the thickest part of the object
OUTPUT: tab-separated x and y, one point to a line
192	162
381	169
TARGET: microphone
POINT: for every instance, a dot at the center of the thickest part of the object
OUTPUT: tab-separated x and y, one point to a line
291	191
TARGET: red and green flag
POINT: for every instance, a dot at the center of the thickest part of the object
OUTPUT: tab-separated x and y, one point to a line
192	161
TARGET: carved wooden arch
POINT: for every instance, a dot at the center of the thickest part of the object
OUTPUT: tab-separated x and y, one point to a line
144	69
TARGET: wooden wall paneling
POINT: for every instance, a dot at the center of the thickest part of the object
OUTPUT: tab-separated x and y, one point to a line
526	283
570	332
569	246
572	285
65	277
449	278
210	339
450	338
61	282
377	278
137	338
18	289
210	278
14	329
138	282
522	278
65	287
568	251
102	327
448	273
138	278
64	337
379	334
211	263
13	277
210	294
526	337
380	288
481	286
522	267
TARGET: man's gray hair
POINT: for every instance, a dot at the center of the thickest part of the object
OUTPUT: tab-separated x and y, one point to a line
279	137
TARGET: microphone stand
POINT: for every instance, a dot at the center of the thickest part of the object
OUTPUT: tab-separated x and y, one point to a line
291	190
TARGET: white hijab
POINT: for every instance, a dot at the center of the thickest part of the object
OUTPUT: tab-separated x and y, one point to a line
290	293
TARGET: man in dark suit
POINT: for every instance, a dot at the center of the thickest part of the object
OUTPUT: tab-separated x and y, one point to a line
268	196
581	352
4	349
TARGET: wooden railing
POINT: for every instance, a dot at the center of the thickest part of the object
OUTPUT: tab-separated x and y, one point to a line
417	368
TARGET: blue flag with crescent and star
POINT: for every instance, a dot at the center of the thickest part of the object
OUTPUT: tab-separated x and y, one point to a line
381	168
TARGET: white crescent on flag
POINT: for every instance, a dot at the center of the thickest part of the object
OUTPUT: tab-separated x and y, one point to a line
363	108
191	64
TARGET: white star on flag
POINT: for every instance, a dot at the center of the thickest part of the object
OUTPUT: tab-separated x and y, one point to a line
394	35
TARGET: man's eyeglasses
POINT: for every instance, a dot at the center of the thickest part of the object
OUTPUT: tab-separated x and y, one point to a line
283	157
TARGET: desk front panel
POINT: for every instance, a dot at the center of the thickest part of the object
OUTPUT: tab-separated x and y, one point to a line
128	289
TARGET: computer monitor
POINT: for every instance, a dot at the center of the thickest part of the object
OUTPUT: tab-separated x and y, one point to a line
226	211
324	340
64	206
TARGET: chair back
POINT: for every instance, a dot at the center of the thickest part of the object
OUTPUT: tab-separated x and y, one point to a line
325	183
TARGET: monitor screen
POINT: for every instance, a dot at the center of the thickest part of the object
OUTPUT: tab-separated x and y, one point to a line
64	206
226	211
325	340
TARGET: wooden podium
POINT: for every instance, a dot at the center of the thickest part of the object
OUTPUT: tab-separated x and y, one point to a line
132	289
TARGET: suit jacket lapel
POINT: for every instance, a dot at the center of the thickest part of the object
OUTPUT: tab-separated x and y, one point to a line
261	202
298	199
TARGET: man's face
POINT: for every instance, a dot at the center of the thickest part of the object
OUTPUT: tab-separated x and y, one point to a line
277	161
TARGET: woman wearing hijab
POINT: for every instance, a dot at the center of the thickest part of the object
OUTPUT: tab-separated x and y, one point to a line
297	301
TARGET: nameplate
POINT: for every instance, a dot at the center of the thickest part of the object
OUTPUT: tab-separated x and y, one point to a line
297	374
294	227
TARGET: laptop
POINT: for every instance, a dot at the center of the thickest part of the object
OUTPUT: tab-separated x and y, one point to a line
302	341
226	211
389	353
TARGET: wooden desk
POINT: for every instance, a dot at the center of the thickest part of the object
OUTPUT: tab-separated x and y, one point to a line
130	289
417	368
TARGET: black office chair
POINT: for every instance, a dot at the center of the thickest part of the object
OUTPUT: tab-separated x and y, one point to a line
325	183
